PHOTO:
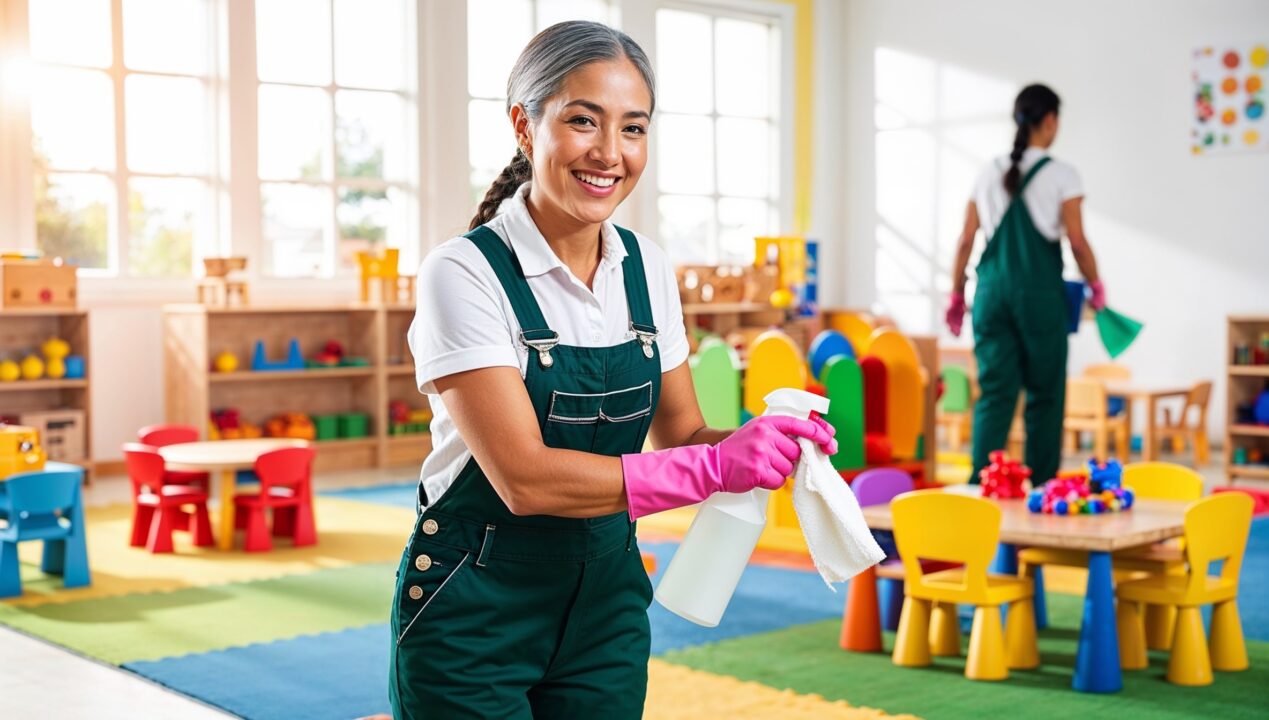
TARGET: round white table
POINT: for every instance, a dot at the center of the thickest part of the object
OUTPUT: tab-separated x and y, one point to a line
226	457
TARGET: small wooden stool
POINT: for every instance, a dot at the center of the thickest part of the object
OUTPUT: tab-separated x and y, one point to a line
220	291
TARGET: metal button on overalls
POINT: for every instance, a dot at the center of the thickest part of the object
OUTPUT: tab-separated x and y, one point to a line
430	527
423	562
416	592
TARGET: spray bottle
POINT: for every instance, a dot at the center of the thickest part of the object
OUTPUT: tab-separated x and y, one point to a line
702	575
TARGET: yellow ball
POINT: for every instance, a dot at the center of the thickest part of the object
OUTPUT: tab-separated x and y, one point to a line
55	348
781	298
226	362
56	368
9	371
32	367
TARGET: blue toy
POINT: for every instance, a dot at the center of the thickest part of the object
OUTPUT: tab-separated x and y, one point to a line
74	367
1106	476
294	360
1261	411
826	346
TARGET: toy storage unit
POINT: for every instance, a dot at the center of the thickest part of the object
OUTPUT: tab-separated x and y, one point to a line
58	408
1245	380
341	400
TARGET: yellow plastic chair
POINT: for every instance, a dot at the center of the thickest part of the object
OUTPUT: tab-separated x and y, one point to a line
1151	481
934	525
1216	528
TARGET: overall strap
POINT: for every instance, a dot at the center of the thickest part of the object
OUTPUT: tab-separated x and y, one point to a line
636	283
507	267
1030	174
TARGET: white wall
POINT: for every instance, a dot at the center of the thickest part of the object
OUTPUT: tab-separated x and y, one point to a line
1182	241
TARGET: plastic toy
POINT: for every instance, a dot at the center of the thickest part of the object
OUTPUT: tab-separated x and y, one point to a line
9	371
330	356
226	362
381	267
1004	478
20	450
55	351
781	299
1101	492
74	367
1261	410
32	368
294	360
291	425
227	425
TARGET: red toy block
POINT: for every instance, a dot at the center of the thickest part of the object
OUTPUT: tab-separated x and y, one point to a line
874	372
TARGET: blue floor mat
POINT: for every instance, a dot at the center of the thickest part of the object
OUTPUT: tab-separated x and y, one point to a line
396	495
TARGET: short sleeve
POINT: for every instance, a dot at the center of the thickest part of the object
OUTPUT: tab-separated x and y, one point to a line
1072	186
460	323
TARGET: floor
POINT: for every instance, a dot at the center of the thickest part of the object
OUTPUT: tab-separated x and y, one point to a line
32	671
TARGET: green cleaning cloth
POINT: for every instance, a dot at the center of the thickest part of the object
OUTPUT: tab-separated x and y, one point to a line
1117	331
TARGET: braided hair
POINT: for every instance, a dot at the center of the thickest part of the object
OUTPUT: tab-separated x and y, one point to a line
539	74
1034	103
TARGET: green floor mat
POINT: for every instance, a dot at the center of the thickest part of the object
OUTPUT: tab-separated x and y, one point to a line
165	624
806	659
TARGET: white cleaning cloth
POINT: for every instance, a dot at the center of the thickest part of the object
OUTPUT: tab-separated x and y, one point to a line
841	545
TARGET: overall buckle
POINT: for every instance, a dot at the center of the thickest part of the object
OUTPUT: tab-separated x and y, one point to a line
646	335
543	346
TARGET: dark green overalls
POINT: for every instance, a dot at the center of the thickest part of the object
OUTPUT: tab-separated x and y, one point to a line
1020	317
499	616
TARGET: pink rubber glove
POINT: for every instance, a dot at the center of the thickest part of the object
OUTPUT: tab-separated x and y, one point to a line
761	453
830	447
955	316
1097	295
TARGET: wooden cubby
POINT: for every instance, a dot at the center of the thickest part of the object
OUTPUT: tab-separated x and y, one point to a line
22	331
193	335
1243	382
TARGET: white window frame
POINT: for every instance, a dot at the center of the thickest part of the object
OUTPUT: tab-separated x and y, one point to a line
780	14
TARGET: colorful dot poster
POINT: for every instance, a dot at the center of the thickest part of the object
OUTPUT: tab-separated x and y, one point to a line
1229	99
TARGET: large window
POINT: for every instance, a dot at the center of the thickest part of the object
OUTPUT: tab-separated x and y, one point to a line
123	133
717	133
497	30
336	126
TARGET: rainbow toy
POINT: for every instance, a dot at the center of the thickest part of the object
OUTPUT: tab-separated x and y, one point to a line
1101	492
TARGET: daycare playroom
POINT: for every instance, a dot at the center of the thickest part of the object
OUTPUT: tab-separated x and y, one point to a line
1015	254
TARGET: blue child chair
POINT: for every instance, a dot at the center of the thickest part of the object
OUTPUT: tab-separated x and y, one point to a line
44	506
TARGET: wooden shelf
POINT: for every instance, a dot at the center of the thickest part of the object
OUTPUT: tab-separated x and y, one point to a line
314	374
43	312
1249	370
409	438
721	308
194	335
1250	430
20	385
1252	471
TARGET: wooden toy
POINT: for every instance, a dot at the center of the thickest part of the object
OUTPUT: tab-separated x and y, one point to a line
381	268
217	288
63	433
716	377
845	385
294	360
875	406
37	284
55	351
905	399
20	450
774	362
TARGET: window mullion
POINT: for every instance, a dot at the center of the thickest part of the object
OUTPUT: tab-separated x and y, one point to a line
332	250
118	75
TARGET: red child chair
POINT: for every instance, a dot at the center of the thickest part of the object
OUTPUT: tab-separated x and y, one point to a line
157	507
161	435
286	489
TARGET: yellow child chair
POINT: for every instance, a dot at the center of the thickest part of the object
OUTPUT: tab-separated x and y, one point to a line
1180	430
1149	481
934	525
1216	528
1086	411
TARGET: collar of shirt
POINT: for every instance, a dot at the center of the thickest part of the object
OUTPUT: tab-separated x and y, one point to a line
536	257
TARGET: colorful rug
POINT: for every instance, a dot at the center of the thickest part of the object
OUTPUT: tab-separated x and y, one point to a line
302	633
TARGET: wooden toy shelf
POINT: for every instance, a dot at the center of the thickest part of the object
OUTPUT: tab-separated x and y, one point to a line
194	334
1242	384
22	330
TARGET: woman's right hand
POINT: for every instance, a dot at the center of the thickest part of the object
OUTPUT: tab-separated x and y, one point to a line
955	316
763	452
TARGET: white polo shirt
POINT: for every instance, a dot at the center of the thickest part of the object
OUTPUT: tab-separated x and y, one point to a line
465	321
1056	183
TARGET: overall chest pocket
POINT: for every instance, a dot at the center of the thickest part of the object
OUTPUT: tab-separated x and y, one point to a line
610	423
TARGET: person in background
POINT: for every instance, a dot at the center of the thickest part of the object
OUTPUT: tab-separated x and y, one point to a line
1024	202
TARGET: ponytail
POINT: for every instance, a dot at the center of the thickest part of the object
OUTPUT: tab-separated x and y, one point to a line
504	186
1032	106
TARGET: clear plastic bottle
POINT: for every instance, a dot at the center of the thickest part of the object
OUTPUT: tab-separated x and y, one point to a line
703	574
